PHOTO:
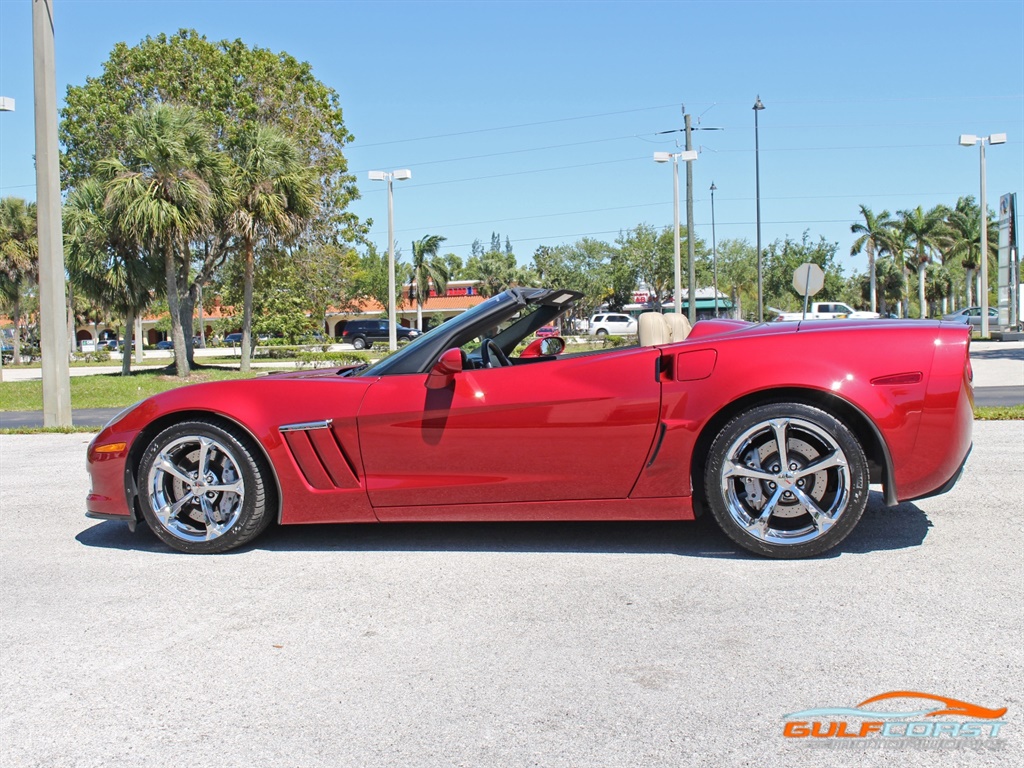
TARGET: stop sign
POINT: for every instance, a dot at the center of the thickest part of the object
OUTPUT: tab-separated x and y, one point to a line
808	279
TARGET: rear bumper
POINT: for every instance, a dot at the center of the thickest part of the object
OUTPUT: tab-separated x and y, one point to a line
948	485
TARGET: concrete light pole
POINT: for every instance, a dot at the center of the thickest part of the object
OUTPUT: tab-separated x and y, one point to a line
663	157
758	106
969	140
714	248
390	177
6	105
52	296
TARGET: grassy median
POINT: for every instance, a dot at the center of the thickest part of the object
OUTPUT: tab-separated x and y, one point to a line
108	390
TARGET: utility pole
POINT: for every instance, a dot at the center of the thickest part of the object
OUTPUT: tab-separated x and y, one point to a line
52	296
692	276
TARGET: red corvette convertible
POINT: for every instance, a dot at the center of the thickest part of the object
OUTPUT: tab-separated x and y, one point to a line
776	429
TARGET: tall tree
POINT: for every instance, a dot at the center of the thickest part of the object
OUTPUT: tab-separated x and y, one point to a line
871	235
961	239
427	268
103	266
19	258
166	193
922	230
276	196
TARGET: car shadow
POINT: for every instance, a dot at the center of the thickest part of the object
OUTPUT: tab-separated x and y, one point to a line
880	529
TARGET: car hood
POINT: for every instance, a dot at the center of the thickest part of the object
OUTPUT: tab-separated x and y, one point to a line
316	373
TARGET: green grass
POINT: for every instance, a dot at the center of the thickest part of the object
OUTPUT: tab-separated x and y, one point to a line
999	412
108	390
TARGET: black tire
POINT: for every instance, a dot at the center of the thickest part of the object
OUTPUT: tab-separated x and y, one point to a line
812	502
233	505
601	333
359	343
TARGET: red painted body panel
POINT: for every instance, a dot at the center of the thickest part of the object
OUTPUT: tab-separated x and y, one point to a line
577	428
607	435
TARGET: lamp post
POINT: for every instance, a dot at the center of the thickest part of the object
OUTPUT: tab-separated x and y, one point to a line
758	106
969	140
6	105
663	157
714	248
390	176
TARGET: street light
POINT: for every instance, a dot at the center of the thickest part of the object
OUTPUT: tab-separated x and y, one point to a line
758	106
6	105
969	140
714	247
688	156
401	175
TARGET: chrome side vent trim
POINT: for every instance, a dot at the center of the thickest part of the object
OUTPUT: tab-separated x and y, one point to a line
306	426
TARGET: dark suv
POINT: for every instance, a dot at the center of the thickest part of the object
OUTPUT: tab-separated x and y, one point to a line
363	334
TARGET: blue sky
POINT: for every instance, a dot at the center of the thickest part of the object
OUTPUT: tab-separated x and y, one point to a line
538	119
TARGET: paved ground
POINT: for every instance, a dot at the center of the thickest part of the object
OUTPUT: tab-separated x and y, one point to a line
608	644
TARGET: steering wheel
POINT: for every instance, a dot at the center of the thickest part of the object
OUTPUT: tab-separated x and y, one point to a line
491	355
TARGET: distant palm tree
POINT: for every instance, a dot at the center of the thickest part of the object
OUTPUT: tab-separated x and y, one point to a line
872	236
165	192
961	239
921	231
106	268
427	268
19	257
277	195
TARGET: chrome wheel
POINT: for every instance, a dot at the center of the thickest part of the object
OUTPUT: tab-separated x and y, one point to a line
205	487
787	480
195	488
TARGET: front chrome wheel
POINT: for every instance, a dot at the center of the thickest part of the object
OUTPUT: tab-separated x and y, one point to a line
787	480
202	487
195	488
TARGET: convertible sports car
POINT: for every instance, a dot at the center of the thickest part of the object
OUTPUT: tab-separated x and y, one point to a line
777	429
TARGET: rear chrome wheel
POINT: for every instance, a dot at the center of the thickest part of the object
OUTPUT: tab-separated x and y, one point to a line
787	480
202	488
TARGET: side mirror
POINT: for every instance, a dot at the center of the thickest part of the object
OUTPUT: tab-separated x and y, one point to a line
552	345
444	370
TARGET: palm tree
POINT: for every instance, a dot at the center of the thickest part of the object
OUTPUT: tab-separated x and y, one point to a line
277	195
962	240
427	268
922	231
104	267
19	257
872	235
166	192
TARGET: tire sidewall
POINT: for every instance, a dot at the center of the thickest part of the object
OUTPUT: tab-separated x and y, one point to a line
856	460
254	517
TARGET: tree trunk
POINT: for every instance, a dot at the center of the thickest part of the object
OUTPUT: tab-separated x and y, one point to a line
126	348
174	305
419	316
920	289
871	271
17	330
188	304
967	286
72	342
244	366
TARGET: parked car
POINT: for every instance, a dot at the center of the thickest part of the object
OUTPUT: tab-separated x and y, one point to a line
165	344
457	427
612	324
547	330
233	339
363	334
972	316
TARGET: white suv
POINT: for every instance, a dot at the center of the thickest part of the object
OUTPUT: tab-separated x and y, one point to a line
612	324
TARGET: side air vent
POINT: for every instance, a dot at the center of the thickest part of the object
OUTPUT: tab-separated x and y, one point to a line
319	456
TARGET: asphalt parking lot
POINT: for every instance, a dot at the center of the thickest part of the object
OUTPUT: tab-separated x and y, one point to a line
610	644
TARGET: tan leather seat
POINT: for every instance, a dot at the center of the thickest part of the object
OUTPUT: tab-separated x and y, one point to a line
678	326
652	329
